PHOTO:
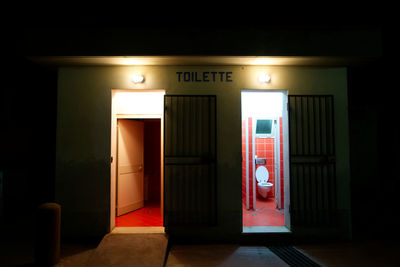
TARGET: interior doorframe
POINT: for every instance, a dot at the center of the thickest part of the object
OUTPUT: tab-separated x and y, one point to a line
286	155
113	152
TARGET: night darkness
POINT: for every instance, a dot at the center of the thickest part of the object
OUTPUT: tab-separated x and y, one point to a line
29	104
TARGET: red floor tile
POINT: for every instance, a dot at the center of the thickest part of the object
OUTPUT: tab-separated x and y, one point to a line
265	214
150	215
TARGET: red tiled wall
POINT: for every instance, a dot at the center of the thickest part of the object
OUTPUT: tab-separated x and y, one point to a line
264	149
244	163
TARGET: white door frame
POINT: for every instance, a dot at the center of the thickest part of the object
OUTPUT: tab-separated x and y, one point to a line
286	155
285	136
113	156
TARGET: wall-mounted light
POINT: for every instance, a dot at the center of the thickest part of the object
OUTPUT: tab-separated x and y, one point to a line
137	78
264	78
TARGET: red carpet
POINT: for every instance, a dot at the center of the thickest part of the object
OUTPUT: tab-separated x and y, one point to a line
265	214
150	215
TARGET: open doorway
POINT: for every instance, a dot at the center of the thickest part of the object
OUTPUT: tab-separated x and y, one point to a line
265	161
137	159
138	173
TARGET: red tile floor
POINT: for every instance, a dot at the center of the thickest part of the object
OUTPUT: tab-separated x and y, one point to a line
149	215
265	214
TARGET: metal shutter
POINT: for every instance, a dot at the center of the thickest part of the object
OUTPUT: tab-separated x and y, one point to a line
312	160
190	160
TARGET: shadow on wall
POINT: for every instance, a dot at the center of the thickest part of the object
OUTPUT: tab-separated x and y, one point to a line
28	117
374	147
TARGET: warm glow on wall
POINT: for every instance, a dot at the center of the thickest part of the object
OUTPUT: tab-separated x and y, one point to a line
263	61
131	61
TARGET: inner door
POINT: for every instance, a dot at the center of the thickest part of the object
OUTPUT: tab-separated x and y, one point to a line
130	171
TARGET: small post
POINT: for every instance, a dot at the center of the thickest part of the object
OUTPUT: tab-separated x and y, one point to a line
47	241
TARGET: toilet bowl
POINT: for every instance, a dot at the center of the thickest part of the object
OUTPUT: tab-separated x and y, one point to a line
262	176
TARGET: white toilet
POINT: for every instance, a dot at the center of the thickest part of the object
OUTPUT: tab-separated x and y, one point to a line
262	176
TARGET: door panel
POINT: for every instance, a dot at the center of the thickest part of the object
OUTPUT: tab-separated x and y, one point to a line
190	160
130	166
312	160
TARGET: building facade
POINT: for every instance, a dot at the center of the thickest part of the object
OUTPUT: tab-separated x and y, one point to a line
85	135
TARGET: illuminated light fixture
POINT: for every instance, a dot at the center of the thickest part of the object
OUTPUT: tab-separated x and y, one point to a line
264	78
136	78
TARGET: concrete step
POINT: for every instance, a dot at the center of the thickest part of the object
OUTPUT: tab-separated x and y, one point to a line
130	250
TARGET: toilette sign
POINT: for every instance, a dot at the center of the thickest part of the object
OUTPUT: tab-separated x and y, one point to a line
204	76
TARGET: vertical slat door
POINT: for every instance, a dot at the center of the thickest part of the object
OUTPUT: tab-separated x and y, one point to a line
312	160
190	160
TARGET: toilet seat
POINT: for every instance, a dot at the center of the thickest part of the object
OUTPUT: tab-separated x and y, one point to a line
262	174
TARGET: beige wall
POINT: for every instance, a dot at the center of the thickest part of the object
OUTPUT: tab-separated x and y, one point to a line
83	134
